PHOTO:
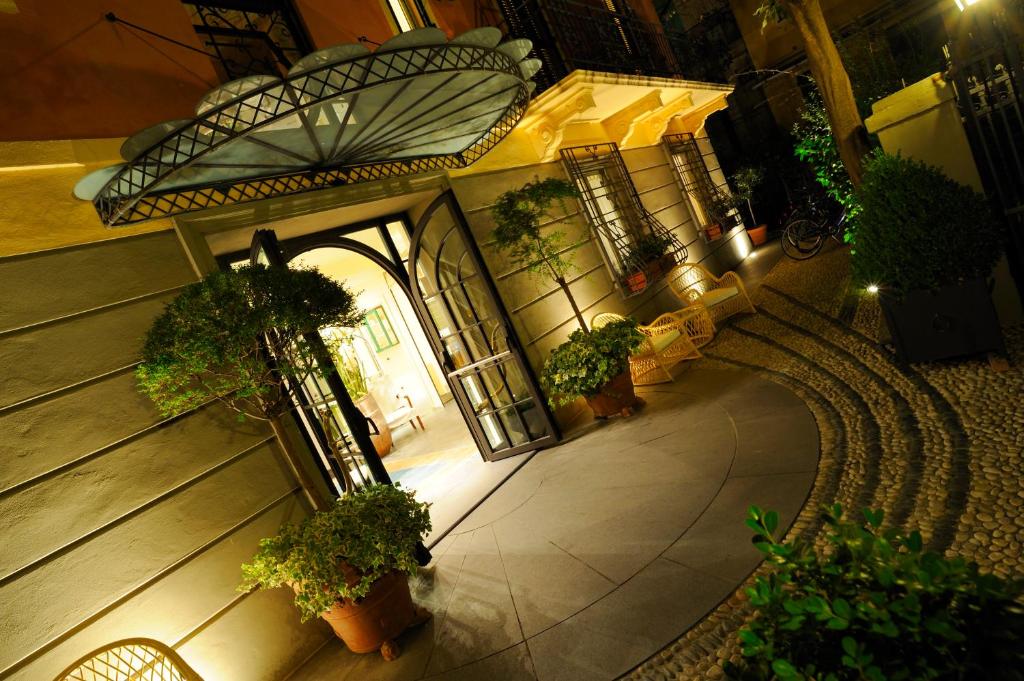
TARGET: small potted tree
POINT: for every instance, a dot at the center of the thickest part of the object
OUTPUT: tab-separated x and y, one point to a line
651	258
928	244
518	234
349	566
240	337
595	366
747	180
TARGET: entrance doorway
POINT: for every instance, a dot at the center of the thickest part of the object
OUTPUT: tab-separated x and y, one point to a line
433	390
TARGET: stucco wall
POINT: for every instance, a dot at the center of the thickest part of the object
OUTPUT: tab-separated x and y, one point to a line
117	523
540	313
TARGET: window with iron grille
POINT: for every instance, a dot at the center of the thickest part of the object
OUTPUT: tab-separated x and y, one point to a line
637	249
709	201
249	37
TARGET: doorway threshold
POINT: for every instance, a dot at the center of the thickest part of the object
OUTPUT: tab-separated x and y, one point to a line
479	491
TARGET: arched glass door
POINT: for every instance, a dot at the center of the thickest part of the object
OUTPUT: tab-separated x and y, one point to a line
481	356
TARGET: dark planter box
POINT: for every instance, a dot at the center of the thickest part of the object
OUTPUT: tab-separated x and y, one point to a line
953	321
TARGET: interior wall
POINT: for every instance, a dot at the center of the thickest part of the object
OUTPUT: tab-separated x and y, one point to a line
118	523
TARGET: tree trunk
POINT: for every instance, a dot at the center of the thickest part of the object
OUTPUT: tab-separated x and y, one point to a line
572	303
834	84
316	500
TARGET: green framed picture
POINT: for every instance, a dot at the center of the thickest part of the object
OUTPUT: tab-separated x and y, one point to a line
378	326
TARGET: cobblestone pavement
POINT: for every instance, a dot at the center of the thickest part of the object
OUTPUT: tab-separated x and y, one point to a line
937	446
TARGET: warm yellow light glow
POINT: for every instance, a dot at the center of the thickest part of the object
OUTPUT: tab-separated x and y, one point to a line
42	166
753	254
873	289
964	4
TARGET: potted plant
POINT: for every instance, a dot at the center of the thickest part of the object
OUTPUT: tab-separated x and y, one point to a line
928	244
747	180
595	366
650	259
242	337
342	345
518	233
874	605
349	566
719	210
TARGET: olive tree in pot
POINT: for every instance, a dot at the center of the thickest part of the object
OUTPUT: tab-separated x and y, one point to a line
591	364
212	343
595	366
928	244
349	565
747	180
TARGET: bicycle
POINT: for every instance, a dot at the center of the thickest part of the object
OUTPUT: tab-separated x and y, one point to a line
804	237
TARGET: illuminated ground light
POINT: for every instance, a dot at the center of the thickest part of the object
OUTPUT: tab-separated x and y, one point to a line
872	289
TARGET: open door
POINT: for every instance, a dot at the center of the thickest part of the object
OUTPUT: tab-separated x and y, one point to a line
472	335
325	400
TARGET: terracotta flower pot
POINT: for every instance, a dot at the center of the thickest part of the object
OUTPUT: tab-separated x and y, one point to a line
636	282
375	621
382	442
617	396
758	235
713	232
657	269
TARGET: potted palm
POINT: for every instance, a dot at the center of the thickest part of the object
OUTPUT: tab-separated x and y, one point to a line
747	180
595	366
244	337
342	345
650	258
928	244
349	566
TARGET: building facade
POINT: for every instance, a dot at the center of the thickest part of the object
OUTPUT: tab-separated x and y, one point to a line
120	524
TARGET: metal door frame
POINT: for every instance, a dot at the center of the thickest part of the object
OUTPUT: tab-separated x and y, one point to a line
461	226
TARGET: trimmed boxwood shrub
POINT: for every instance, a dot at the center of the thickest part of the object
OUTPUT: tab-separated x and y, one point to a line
875	606
921	230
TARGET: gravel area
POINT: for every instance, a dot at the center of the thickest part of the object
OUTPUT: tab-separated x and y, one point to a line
937	446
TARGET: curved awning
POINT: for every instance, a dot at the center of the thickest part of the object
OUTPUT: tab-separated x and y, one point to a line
342	115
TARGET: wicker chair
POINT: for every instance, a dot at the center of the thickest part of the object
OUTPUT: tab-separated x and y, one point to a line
666	345
723	296
130	660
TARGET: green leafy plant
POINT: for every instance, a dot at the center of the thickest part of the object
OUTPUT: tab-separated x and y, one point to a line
920	229
342	347
339	553
875	606
647	248
719	207
518	232
816	146
747	180
212	342
582	365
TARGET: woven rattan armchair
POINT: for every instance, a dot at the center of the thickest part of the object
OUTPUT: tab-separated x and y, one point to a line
723	296
136	659
667	343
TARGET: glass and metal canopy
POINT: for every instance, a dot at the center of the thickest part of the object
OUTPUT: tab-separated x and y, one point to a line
342	115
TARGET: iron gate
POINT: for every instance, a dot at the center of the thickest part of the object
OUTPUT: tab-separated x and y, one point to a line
987	70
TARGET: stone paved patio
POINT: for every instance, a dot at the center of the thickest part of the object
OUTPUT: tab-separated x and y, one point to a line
937	446
598	553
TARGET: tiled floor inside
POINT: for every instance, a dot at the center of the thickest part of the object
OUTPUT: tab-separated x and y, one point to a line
597	553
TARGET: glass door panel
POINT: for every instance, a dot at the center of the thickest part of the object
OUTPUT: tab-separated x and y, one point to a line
484	364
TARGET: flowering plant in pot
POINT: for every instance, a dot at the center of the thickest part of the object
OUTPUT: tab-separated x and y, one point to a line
594	366
650	258
928	244
719	207
349	564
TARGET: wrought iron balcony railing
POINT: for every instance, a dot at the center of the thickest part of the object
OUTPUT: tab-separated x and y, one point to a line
607	36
